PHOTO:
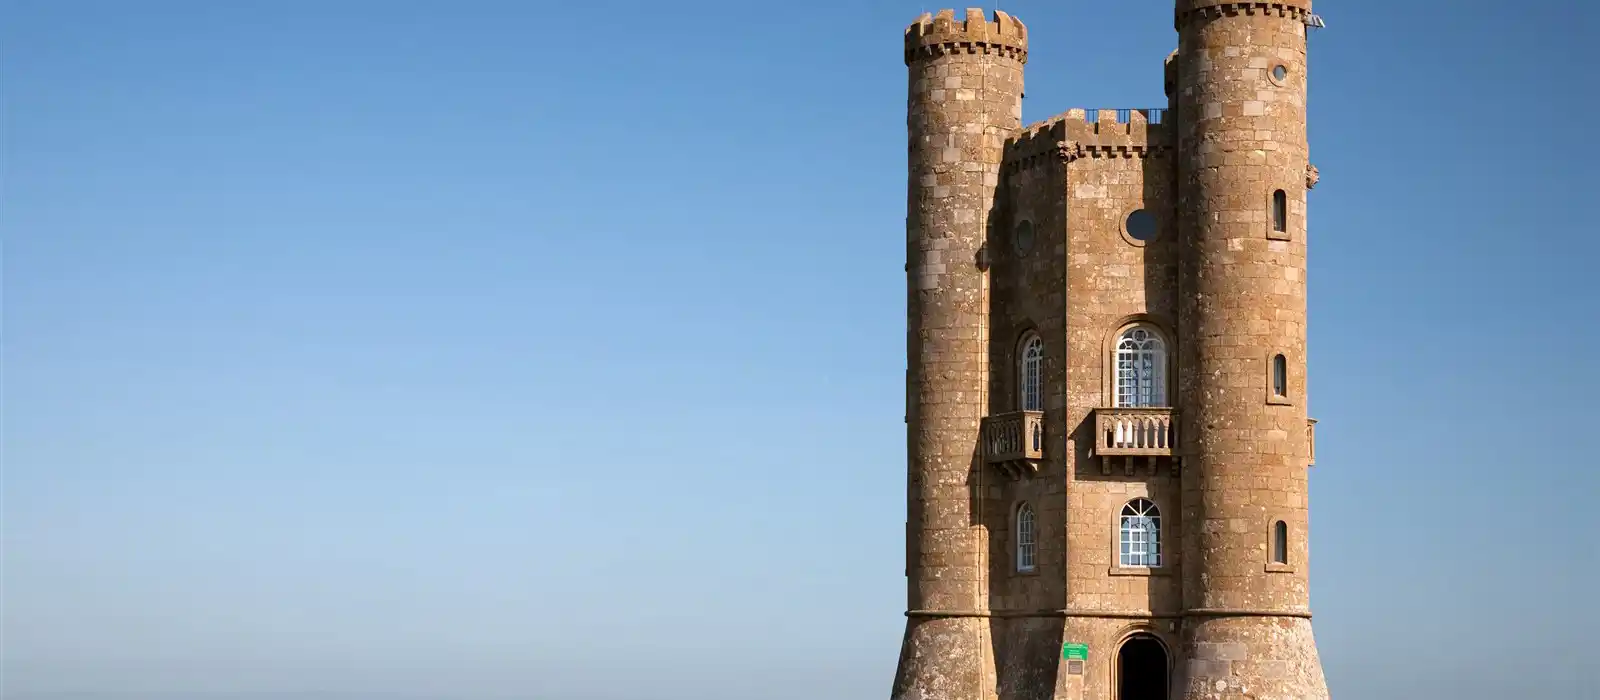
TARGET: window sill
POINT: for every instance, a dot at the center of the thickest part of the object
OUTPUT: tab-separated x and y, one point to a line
1275	400
1138	571
1027	572
1280	568
1278	236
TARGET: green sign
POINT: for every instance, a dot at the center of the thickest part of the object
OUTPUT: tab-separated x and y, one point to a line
1073	650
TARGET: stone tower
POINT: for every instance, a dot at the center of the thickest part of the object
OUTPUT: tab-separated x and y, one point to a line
1243	173
965	101
1106	411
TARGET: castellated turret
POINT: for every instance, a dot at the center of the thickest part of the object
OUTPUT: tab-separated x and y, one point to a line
965	102
1107	432
1243	176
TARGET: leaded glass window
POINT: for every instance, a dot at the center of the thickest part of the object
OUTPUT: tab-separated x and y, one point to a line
1025	540
1140	534
1032	373
1141	368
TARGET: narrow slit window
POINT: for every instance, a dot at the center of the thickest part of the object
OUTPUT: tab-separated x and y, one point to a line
1280	376
1280	211
1025	540
1280	542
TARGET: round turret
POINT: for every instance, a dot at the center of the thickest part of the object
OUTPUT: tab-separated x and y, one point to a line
965	100
1240	95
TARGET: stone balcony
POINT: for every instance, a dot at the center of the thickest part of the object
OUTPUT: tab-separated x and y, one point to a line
1131	436
1014	442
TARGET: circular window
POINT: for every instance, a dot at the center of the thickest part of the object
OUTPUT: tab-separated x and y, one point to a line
1141	225
1280	74
1023	237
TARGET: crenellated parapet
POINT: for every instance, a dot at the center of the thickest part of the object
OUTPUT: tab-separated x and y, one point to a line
1080	133
1199	10
1040	144
938	34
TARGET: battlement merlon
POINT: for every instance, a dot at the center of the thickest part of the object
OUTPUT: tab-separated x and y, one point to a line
938	34
1073	134
1188	10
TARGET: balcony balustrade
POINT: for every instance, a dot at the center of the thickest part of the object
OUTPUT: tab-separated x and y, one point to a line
1127	433
1014	442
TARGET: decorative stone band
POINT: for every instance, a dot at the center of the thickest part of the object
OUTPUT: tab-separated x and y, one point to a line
1113	614
949	613
1195	11
937	35
1124	150
1068	151
1241	612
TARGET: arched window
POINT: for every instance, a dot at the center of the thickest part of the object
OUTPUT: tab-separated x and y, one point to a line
1025	540
1141	368
1280	542
1140	534
1280	376
1280	211
1031	373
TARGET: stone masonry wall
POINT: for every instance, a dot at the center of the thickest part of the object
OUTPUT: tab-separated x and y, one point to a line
1081	281
1114	280
1028	295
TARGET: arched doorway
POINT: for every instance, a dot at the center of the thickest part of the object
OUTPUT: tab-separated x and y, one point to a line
1142	669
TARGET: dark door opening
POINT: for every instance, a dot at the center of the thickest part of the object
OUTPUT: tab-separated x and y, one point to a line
1142	669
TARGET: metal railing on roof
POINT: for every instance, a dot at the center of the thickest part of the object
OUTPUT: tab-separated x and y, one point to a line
1123	116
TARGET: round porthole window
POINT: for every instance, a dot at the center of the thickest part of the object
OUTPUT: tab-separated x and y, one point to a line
1141	226
1280	74
1023	237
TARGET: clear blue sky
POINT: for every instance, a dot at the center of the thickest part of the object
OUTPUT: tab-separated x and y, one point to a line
555	351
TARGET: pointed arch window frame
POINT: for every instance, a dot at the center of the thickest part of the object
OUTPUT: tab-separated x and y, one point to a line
1027	550
1030	372
1141	358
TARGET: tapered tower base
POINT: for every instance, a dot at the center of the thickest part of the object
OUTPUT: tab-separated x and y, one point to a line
944	658
1260	658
